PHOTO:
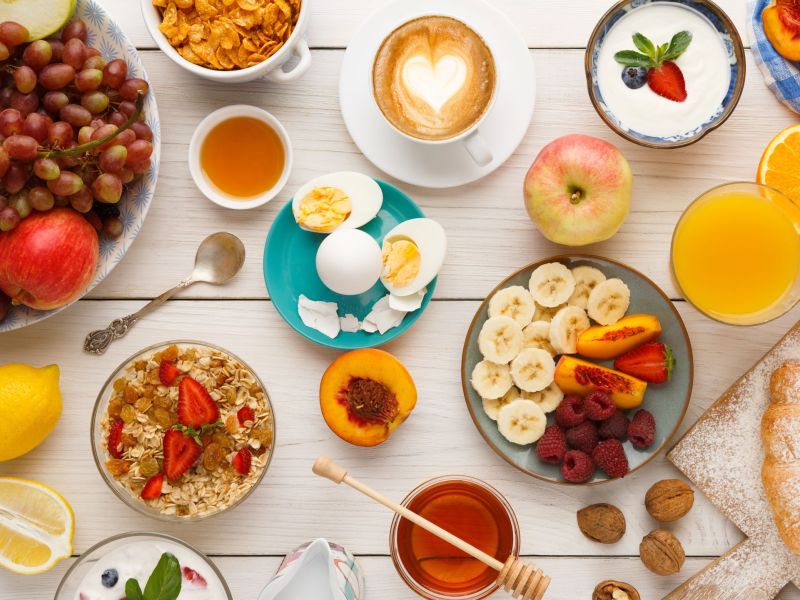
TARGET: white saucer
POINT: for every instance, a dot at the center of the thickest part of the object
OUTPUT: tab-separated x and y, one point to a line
448	165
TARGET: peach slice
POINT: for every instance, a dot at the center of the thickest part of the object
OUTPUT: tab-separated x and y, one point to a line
782	27
365	395
576	376
610	341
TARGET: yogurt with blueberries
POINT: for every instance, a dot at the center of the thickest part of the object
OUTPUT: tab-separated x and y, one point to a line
663	70
107	579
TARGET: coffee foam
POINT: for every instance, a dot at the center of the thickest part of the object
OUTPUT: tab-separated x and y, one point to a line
433	78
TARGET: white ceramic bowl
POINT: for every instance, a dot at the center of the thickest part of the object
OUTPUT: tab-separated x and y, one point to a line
272	68
209	189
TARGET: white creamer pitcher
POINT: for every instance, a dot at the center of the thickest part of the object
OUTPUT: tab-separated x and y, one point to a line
320	570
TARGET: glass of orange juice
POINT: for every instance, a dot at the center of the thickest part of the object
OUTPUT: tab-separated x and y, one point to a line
736	253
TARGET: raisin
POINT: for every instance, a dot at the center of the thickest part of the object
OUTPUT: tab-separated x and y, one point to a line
170	353
117	467
213	455
130	394
163	402
114	407
120	384
128	414
162	417
143	405
148	466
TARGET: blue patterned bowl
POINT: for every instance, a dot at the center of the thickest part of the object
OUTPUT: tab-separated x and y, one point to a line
109	39
733	43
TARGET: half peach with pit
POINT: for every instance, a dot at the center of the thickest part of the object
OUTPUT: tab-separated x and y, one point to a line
365	395
610	341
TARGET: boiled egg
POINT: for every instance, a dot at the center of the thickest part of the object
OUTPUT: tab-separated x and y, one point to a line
343	200
349	262
413	254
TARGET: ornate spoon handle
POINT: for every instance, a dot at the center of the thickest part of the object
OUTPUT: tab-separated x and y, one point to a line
98	341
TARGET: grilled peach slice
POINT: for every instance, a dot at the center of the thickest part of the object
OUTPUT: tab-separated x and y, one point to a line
782	26
576	376
365	395
610	341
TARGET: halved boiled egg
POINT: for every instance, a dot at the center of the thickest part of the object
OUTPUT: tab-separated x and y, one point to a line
345	200
413	254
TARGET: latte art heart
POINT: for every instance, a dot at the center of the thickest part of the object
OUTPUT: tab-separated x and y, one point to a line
435	83
433	78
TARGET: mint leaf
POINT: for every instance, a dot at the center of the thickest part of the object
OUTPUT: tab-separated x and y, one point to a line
631	58
644	44
132	590
165	580
660	51
680	42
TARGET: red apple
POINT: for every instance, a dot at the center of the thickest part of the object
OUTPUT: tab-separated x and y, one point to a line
578	190
49	259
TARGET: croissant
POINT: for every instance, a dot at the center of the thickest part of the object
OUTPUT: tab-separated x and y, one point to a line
780	431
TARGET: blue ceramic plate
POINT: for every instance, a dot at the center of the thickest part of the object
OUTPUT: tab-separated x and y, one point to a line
668	402
290	270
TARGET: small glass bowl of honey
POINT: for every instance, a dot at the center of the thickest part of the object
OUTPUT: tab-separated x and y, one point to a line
468	508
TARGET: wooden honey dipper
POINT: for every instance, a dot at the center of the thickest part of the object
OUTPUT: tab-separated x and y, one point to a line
519	579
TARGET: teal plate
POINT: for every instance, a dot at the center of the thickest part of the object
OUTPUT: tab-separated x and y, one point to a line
668	402
290	270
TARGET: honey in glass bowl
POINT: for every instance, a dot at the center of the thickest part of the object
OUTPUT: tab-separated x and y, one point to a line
473	511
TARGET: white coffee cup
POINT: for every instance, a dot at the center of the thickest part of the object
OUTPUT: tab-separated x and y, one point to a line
470	138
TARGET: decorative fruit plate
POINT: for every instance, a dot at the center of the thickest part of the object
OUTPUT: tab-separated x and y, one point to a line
667	402
108	37
290	270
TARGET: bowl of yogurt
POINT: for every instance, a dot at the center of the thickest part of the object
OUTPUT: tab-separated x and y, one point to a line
664	73
103	571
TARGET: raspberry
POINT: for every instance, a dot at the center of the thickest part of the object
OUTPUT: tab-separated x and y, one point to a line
583	437
571	411
552	445
609	455
642	429
577	467
599	406
615	426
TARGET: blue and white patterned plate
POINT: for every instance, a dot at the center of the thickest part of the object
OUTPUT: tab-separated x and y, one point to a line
733	44
105	35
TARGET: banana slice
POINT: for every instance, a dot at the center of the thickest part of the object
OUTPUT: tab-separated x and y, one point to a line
491	380
492	407
515	302
546	313
565	328
533	369
521	422
609	301
586	278
537	335
551	284
548	399
500	339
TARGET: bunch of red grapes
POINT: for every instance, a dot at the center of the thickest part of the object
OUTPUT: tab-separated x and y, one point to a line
71	127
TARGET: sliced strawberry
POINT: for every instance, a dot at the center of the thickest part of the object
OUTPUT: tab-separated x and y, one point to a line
667	81
180	453
651	362
242	460
114	442
244	415
152	489
194	577
195	406
168	372
789	13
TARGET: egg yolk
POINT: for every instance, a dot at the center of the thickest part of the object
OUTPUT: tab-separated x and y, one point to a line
323	209
401	262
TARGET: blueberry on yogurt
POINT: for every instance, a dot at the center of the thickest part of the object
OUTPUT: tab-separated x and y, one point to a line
109	578
634	77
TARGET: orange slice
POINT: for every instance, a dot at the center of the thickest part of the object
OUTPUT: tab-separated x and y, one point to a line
780	164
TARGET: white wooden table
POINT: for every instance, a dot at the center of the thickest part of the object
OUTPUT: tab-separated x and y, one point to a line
489	236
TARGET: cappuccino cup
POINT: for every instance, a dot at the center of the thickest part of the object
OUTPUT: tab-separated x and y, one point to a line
434	80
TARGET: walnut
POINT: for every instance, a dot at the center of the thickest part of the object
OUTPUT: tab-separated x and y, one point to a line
615	590
602	523
661	552
669	500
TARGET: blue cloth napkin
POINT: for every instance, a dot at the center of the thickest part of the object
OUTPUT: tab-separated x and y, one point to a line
781	75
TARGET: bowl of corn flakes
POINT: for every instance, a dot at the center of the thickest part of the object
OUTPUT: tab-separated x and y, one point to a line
232	40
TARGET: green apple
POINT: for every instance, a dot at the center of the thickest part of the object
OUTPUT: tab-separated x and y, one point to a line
42	18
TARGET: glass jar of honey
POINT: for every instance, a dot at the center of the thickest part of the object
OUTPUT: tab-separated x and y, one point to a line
468	508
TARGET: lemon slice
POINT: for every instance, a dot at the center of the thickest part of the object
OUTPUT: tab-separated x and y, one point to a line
36	526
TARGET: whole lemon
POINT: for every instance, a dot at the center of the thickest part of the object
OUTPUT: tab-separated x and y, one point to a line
30	406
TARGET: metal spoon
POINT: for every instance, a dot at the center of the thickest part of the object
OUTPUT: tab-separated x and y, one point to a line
219	258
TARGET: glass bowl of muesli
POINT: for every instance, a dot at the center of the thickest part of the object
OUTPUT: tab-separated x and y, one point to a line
183	430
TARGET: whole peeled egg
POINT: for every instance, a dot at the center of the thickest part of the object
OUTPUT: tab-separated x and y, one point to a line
349	262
